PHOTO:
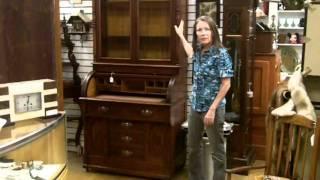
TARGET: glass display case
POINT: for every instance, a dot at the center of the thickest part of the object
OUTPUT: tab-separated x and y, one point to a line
34	148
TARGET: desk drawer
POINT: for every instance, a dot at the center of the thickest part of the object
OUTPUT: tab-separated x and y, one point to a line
128	111
126	152
128	134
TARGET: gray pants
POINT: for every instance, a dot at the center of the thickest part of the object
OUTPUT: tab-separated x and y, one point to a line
216	139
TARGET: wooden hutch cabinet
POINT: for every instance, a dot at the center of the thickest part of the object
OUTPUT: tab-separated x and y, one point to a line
266	79
238	37
133	102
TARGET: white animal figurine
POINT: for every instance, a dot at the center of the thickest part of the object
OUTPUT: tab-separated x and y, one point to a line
299	103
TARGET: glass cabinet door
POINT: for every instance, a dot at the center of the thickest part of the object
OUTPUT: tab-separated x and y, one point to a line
234	94
115	29
154	29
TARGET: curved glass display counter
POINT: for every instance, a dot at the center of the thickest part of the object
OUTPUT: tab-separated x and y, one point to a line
34	149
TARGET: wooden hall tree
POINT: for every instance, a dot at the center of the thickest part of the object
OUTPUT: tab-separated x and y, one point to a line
238	37
133	102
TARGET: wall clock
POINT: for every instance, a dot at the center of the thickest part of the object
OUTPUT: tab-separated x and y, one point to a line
28	99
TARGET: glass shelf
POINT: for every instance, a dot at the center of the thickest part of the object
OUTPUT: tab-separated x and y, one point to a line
288	44
291	28
291	11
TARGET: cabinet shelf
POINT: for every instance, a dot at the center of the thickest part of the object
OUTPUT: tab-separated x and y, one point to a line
290	21
291	11
288	44
291	28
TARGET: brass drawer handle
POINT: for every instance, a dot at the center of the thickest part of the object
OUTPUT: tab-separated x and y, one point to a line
103	109
146	112
126	153
126	138
126	124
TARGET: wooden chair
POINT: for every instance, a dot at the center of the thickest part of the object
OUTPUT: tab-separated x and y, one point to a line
288	150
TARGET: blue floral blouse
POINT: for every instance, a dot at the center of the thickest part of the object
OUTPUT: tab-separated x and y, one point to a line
208	69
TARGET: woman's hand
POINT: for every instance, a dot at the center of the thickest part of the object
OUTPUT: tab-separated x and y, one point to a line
209	118
179	30
186	45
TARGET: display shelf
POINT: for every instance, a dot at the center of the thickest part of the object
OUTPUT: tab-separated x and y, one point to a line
290	22
291	11
291	28
290	19
288	44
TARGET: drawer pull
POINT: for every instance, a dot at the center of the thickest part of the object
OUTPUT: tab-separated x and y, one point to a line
126	138
146	112
126	153
126	124
103	109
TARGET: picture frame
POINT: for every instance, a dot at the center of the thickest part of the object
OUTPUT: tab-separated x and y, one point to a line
210	8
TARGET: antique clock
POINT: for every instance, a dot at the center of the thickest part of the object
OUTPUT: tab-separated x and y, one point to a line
27	102
28	99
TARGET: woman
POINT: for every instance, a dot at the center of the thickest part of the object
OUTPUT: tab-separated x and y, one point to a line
212	70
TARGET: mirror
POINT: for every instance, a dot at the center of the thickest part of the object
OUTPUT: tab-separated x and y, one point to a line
209	8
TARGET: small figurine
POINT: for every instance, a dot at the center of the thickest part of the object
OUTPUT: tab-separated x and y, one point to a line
301	22
273	25
294	38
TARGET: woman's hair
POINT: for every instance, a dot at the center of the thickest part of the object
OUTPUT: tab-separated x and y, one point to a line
216	42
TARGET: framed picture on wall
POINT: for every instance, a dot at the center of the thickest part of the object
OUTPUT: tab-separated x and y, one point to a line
209	8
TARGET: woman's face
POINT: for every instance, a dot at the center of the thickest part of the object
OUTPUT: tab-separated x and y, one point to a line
204	32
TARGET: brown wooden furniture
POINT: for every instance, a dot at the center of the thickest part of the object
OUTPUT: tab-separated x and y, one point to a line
288	151
133	102
30	43
238	37
265	80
